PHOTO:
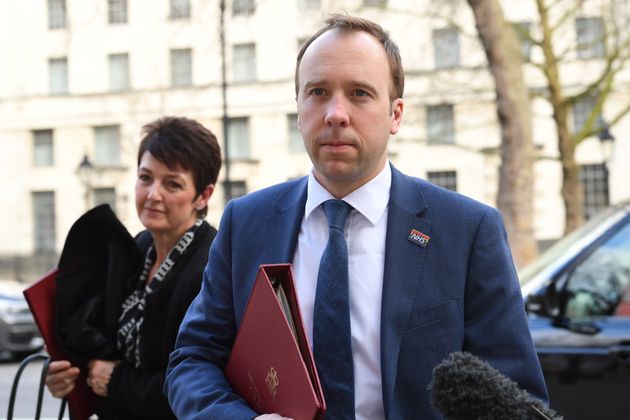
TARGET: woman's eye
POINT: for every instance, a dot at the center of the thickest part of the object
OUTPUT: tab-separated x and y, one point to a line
174	185
143	178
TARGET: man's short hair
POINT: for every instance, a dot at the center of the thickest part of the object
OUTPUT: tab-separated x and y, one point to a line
347	24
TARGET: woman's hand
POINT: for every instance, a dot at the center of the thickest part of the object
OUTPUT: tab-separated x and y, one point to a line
61	378
99	374
272	417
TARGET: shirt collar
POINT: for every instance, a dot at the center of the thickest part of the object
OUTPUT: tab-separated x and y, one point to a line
370	199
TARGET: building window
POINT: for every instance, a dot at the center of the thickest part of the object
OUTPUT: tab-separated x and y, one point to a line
582	109
180	9
104	196
56	14
107	145
118	72
117	11
238	138
308	4
243	7
523	30
440	124
181	67
58	76
244	63
589	33
375	3
594	179
44	221
445	179
43	148
234	189
295	138
446	48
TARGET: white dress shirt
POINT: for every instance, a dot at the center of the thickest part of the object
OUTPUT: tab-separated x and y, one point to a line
365	232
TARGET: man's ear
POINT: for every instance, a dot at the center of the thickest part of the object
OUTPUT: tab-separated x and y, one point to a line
397	113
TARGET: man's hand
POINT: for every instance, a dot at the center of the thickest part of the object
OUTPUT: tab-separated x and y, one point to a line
272	417
99	374
61	378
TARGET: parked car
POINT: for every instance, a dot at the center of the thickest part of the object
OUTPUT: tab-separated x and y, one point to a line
18	332
577	295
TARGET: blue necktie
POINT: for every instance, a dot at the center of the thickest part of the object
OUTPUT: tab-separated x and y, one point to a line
332	347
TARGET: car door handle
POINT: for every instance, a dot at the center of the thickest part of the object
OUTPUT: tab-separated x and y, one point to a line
621	353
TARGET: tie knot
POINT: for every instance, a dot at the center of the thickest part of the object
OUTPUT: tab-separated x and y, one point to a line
336	212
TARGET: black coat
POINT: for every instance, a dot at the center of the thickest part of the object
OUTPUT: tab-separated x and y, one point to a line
90	331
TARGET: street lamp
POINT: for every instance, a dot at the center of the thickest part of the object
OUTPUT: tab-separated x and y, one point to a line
607	142
86	173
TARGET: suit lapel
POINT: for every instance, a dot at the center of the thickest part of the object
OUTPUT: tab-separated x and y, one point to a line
282	225
404	261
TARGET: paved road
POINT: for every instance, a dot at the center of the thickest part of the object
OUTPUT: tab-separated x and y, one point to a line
26	399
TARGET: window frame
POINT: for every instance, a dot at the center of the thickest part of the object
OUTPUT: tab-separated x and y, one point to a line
58	78
244	63
57	14
590	37
446	39
439	135
594	179
44	231
180	9
243	7
43	147
107	145
119	77
239	136
444	178
181	66
296	144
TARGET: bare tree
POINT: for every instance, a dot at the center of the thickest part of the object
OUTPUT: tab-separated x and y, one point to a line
609	44
505	63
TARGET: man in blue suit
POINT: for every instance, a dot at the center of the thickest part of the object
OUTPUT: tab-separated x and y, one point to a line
430	271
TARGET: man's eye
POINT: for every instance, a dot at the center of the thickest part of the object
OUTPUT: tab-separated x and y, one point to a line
317	91
360	92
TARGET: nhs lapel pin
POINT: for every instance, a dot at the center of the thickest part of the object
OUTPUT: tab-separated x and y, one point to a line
418	238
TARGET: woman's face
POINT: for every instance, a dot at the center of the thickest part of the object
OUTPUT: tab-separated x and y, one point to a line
166	200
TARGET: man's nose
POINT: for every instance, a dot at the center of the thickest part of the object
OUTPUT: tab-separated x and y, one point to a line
337	112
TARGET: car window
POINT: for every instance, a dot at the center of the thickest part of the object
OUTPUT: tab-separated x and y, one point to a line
600	284
584	234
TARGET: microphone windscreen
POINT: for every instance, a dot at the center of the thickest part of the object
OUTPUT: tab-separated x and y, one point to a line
465	387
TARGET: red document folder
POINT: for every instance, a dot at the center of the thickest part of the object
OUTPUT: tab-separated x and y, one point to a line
269	366
41	298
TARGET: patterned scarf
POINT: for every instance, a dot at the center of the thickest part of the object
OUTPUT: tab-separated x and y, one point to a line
132	316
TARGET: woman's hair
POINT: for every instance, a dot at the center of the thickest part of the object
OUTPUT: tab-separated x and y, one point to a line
349	24
183	143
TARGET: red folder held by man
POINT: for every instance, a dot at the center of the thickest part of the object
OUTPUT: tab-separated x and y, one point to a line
271	365
41	298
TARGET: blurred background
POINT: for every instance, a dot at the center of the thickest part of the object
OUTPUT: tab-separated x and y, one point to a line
79	78
522	105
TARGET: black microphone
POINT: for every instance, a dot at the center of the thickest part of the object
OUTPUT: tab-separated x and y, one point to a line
465	387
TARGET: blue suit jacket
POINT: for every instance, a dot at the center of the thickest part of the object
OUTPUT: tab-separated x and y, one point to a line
460	292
